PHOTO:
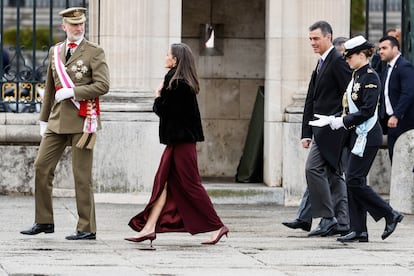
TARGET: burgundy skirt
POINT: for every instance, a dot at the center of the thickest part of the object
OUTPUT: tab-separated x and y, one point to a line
188	207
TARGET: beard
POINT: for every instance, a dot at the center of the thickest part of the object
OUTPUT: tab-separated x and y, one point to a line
76	37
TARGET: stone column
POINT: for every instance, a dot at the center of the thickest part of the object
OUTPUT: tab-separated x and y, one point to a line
136	36
402	174
289	63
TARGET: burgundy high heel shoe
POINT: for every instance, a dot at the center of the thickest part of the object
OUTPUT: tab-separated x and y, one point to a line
151	236
223	231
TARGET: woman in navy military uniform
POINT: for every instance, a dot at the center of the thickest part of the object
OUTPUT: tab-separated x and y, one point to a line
360	117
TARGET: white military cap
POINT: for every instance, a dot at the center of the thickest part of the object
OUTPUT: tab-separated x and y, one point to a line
356	45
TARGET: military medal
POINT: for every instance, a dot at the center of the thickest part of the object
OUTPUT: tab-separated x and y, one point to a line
354	94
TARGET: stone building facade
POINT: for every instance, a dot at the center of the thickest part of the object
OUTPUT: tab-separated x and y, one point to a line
259	43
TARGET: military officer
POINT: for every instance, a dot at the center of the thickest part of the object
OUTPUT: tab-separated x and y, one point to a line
77	75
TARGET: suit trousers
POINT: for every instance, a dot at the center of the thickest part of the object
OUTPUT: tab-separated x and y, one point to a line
51	149
326	188
361	197
304	210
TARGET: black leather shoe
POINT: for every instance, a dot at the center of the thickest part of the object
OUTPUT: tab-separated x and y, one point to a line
82	236
339	229
354	237
298	224
391	224
324	227
39	228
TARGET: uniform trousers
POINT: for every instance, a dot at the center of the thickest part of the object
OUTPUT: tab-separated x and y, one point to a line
361	197
51	149
326	188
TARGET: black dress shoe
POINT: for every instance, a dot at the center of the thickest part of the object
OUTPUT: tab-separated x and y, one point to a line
339	229
39	228
324	227
297	223
82	236
354	237
391	223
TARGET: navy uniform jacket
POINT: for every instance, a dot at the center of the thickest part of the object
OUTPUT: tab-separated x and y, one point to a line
325	97
401	94
180	120
366	89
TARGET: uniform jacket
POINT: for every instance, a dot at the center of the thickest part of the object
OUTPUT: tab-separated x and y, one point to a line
401	95
180	120
89	72
324	97
365	94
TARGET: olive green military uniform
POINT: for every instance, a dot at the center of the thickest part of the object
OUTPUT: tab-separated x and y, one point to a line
89	72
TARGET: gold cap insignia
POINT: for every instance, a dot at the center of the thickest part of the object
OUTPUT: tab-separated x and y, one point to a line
75	15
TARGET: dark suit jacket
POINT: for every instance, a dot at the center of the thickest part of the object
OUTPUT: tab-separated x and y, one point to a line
366	91
325	93
401	94
180	120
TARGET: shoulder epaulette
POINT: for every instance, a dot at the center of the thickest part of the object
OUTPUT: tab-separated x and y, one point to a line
371	85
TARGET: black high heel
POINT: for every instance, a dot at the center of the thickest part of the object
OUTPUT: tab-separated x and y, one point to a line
151	236
223	231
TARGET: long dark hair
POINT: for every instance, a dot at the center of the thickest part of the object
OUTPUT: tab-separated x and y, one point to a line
186	69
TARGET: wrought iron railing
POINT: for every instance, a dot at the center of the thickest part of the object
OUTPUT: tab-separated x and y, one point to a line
23	72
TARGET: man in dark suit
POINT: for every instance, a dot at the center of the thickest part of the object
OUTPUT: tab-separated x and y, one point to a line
304	215
397	97
376	61
323	173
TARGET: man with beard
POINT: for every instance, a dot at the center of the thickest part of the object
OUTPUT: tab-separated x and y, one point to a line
397	97
77	75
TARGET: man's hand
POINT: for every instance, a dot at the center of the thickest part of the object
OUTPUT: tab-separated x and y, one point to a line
306	142
43	126
64	93
392	122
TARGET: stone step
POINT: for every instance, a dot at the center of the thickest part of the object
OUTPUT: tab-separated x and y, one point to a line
220	193
127	96
130	101
126	107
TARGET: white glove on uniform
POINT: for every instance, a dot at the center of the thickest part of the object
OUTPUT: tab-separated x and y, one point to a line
336	122
322	121
43	126
64	93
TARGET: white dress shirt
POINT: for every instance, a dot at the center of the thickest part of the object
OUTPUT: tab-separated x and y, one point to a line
388	106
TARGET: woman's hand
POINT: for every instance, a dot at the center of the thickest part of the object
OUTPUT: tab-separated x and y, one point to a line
158	90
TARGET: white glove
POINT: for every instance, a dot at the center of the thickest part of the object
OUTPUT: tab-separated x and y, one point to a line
64	93
322	121
43	126
336	122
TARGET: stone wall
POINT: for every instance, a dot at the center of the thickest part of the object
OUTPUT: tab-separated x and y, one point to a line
126	153
229	81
